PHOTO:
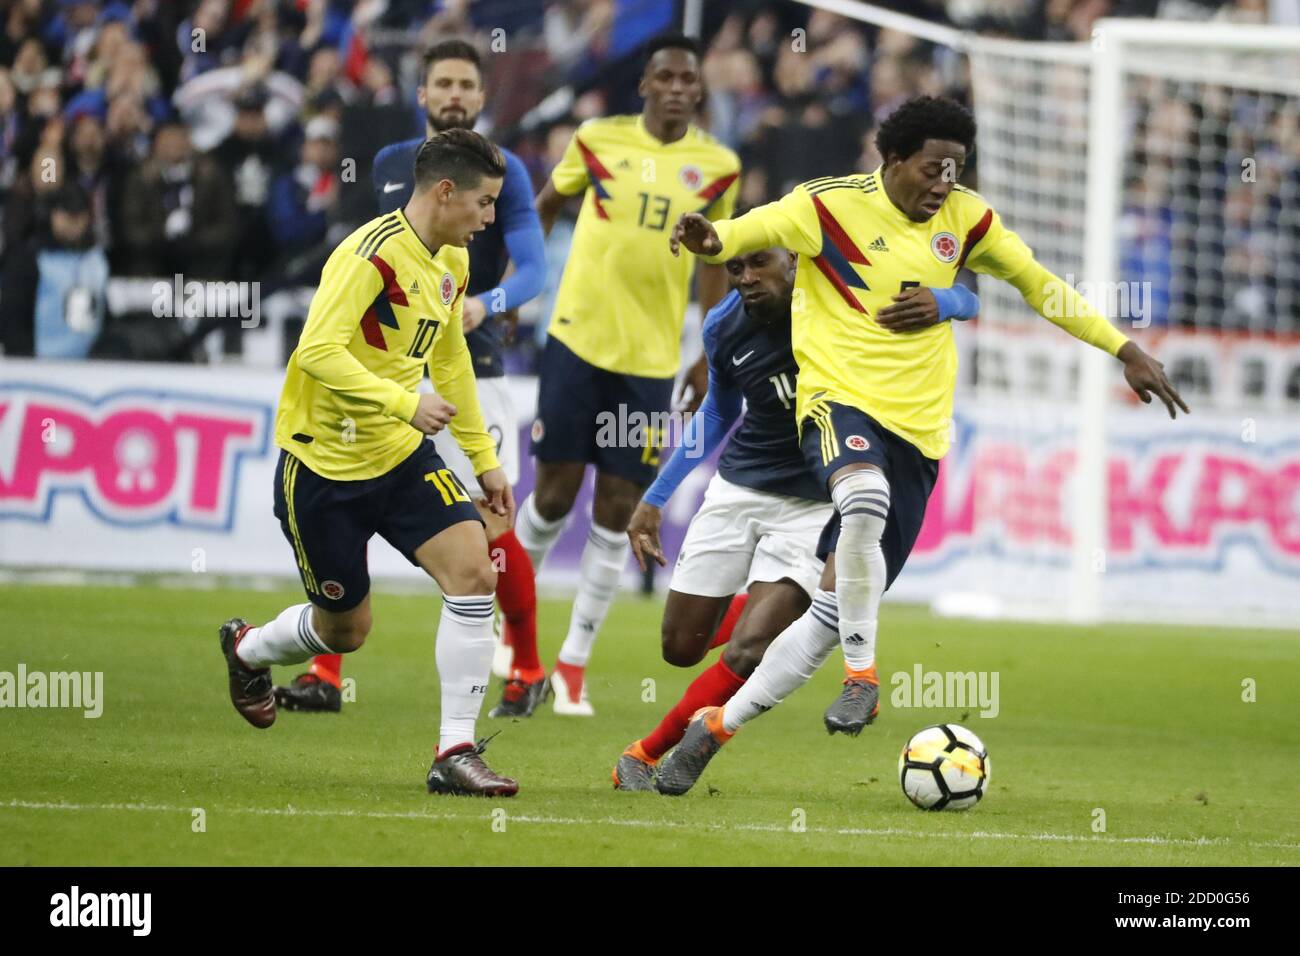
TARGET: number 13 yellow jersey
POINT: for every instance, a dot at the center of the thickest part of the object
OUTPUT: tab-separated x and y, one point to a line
622	300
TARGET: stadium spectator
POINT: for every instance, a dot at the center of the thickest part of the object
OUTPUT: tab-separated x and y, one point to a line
52	299
207	102
378	87
209	38
249	155
131	76
72	30
110	43
31	68
177	217
27	205
325	73
129	129
21	21
302	201
575	30
87	164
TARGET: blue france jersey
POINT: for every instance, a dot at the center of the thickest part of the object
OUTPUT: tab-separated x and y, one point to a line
755	358
393	180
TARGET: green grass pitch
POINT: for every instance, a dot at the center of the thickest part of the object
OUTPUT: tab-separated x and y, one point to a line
1145	724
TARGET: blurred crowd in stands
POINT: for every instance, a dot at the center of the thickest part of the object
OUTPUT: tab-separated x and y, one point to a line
231	140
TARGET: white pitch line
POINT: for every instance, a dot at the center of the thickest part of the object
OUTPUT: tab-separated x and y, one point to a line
291	811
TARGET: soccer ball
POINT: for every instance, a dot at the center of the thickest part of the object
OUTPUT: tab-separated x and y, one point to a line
944	767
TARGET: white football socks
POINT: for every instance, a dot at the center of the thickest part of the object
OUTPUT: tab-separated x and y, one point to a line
535	533
862	499
788	663
290	639
602	564
463	652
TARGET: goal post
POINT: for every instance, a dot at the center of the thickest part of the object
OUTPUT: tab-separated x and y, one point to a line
1156	169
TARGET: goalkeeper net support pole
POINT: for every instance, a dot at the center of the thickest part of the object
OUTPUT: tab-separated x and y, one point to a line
1101	211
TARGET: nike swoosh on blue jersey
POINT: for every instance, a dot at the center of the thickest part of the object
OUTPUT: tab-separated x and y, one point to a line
737	361
393	187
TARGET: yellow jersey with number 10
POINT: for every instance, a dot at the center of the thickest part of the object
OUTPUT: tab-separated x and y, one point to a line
622	299
386	308
857	250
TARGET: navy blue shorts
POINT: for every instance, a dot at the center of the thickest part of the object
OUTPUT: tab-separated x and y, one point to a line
587	414
329	523
838	435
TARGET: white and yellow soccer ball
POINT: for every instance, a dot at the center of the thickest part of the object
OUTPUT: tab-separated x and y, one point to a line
945	767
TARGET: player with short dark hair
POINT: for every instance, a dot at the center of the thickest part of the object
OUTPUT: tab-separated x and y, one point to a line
758	525
452	96
613	342
354	462
875	409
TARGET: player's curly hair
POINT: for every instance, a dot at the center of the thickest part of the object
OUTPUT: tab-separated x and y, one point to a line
906	129
461	155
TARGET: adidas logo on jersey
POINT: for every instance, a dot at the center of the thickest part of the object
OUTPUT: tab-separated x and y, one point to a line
415	288
879	245
624	164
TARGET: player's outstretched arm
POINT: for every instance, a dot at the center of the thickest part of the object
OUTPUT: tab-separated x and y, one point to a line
791	222
1057	302
1001	253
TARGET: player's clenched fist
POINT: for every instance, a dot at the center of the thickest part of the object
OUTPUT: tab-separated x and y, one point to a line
697	234
643	532
432	414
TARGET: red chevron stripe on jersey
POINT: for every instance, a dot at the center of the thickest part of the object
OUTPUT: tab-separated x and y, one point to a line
975	235
715	189
838	252
841	287
392	288
371	330
835	232
597	172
